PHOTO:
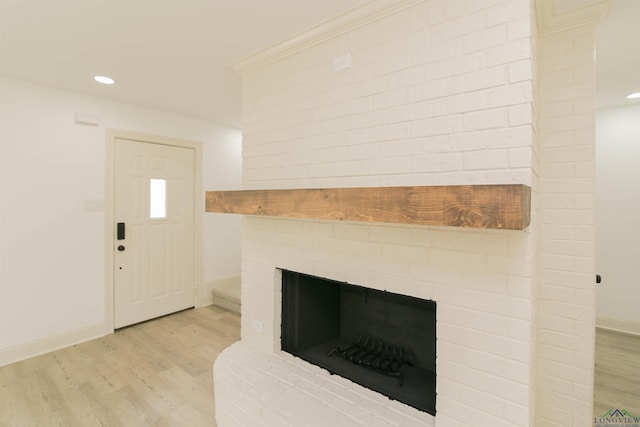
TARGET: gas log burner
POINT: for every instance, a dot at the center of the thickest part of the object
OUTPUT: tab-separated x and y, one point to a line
380	340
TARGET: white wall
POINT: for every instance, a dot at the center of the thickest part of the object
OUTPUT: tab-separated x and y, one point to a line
52	249
222	170
618	206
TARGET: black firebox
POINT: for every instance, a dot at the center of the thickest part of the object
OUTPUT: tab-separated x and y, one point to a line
378	339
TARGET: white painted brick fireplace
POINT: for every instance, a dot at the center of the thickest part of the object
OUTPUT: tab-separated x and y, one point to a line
439	92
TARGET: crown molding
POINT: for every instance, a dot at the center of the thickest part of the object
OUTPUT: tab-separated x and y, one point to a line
550	21
371	11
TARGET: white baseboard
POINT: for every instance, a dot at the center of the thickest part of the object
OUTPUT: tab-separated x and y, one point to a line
205	292
618	325
46	345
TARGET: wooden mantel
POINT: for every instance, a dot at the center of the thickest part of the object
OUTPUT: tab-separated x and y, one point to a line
478	206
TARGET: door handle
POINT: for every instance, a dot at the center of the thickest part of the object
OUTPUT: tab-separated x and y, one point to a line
121	248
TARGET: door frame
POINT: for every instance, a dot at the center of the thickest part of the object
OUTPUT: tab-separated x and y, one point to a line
109	215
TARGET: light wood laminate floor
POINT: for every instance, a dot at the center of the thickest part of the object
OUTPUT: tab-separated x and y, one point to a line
157	373
617	373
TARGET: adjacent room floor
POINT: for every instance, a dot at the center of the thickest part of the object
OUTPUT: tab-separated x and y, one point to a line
617	374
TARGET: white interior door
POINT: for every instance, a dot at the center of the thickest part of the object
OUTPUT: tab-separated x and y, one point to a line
154	210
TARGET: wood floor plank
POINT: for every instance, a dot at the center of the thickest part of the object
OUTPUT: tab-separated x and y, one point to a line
12	401
46	400
617	372
158	373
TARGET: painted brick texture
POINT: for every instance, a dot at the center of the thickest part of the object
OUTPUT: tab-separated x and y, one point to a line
267	384
441	93
566	290
437	94
484	342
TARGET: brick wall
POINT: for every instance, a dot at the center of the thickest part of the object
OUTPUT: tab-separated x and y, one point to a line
440	93
566	291
481	287
437	94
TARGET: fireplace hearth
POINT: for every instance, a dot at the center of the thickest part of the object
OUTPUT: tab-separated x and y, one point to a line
380	340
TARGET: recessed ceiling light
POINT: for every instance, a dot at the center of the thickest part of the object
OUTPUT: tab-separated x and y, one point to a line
634	95
104	80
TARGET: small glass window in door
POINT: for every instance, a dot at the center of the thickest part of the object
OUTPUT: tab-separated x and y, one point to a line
158	198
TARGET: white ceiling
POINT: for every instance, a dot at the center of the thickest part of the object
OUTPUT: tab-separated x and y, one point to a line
174	55
618	54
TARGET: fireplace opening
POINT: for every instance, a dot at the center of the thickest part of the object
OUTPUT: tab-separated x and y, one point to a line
378	339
